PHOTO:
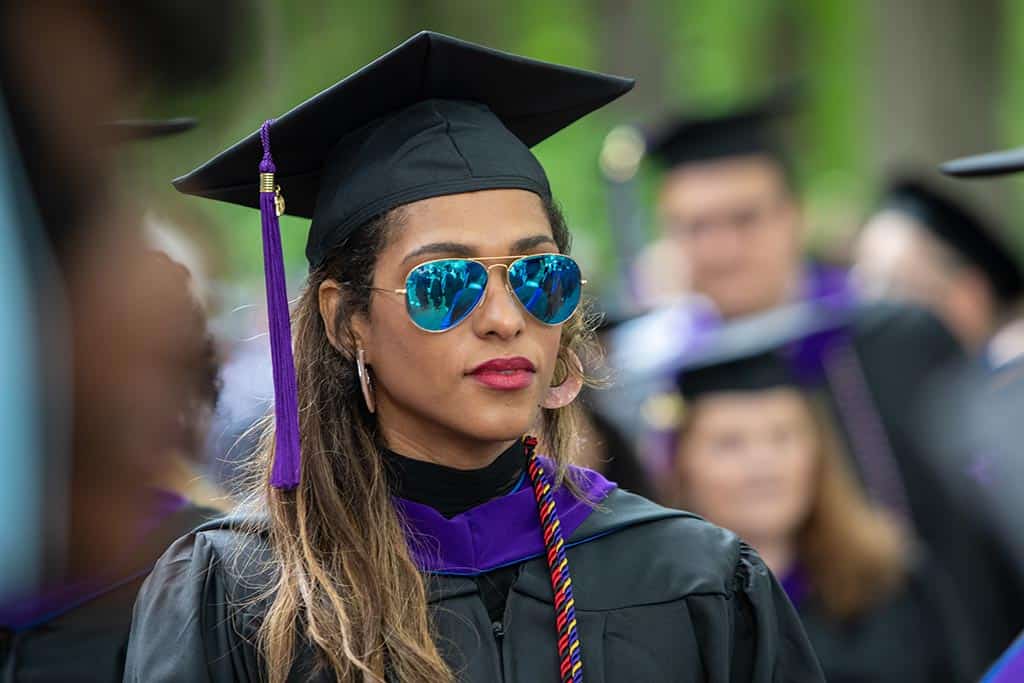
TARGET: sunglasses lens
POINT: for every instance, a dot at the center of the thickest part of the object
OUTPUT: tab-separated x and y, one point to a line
440	294
548	286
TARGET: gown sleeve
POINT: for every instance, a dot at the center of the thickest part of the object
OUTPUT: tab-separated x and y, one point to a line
183	626
753	635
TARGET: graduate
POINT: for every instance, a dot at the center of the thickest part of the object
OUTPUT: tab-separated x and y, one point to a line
995	422
405	527
728	195
925	246
728	204
730	227
759	454
74	626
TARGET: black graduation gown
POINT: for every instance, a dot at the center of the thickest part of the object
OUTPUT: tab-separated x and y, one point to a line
916	635
86	640
661	595
904	354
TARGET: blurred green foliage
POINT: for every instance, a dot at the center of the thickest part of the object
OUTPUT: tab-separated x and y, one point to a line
700	53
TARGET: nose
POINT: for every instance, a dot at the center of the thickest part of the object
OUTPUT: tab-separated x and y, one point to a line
499	315
720	245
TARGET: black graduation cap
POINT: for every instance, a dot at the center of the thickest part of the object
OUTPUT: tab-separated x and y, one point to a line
434	116
750	354
757	370
971	237
986	165
127	130
744	131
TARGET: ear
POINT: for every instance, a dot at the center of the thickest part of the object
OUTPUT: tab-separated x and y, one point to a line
331	300
331	296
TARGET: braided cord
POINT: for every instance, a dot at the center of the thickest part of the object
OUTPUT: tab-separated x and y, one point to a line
570	664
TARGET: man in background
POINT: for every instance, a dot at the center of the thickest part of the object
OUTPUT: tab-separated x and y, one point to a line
923	245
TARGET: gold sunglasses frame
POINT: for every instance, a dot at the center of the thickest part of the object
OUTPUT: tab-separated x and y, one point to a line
483	261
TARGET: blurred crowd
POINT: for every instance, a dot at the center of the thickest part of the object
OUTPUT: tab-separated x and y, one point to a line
857	421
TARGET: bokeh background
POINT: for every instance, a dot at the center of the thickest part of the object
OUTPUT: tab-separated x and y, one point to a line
886	85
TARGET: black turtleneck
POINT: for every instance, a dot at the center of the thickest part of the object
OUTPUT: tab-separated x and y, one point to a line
452	491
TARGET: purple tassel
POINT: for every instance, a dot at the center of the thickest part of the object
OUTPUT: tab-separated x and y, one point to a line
287	460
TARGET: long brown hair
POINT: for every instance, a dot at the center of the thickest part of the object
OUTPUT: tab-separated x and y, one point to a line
345	580
855	553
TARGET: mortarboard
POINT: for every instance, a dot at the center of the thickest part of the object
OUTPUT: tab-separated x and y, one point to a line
434	116
986	165
127	130
764	351
955	225
759	368
704	136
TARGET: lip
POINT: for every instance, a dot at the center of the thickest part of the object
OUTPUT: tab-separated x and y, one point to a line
505	374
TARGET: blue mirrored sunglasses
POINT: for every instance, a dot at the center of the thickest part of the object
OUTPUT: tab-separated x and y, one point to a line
441	294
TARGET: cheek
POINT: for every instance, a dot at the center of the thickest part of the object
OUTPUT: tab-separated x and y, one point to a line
709	481
804	469
408	362
777	243
549	340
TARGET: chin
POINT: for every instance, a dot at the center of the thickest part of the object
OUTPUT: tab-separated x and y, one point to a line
499	423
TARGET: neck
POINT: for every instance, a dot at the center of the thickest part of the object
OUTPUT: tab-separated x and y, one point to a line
443	449
778	553
453	491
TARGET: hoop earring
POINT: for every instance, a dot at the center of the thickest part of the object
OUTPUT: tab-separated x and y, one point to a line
364	380
565	393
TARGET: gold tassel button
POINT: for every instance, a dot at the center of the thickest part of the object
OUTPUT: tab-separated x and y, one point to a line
278	200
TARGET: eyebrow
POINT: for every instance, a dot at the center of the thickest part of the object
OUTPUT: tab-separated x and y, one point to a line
528	243
458	249
447	248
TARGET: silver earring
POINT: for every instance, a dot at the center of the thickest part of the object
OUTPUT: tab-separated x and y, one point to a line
364	380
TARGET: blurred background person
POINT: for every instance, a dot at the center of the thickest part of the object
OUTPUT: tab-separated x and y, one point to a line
110	339
925	246
758	454
727	203
991	429
77	629
728	208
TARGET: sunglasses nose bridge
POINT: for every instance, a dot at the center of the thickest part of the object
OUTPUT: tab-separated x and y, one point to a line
507	280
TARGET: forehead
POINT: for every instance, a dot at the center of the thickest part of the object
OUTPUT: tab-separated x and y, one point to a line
734	178
893	239
486	222
745	409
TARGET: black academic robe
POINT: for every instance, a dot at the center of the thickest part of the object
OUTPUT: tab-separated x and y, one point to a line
915	635
660	595
84	640
904	354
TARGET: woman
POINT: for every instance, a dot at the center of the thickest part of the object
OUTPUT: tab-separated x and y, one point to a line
86	615
419	537
757	455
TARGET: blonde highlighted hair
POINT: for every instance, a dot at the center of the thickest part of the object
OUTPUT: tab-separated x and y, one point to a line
345	582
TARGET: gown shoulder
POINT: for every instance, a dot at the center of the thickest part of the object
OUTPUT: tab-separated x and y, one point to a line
195	617
647	565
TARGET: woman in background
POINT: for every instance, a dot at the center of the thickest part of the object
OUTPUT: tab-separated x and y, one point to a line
757	455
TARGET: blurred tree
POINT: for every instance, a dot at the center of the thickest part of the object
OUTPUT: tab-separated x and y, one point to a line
937	84
916	80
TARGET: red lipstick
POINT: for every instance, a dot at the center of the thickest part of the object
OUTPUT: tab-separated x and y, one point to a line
505	374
